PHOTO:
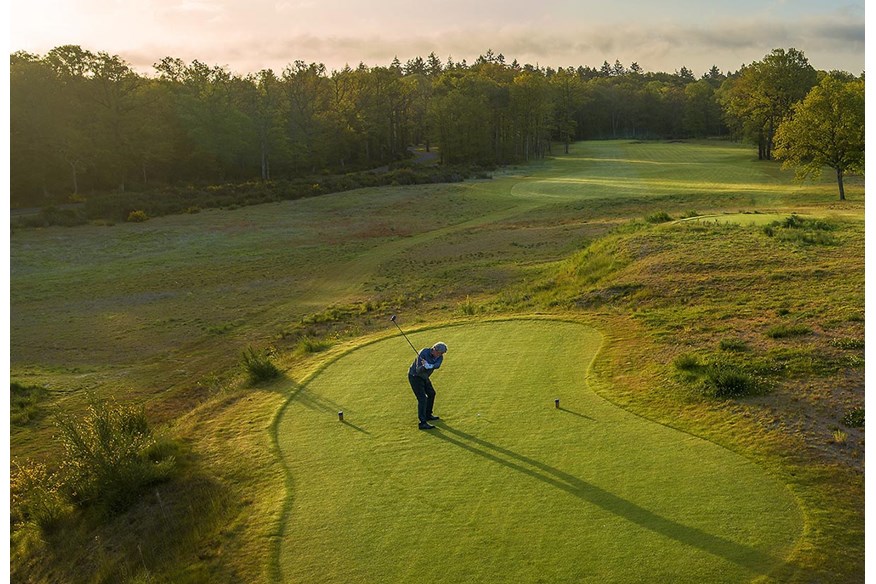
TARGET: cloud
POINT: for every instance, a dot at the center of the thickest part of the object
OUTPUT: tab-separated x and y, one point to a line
837	40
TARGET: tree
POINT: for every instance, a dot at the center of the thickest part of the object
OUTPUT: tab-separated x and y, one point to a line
825	129
567	96
761	96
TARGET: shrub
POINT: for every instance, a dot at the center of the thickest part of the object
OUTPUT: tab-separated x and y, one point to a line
724	380
35	496
687	362
854	418
808	237
26	403
105	461
848	343
840	437
468	307
137	216
659	217
805	231
259	366
783	331
792	222
733	345
309	345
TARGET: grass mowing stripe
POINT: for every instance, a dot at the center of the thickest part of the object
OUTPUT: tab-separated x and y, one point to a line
509	488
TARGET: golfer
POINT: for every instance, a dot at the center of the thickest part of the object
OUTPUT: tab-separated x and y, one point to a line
427	361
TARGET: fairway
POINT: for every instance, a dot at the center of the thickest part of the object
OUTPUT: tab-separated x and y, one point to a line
509	488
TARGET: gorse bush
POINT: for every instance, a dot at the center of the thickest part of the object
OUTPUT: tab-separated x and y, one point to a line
106	458
259	365
36	496
848	343
137	216
854	418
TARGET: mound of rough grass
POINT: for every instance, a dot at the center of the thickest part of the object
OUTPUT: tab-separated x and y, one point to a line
26	404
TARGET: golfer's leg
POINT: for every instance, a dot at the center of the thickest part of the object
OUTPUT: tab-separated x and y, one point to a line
418	386
430	398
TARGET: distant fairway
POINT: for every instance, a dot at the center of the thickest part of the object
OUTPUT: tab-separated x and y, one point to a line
623	169
522	492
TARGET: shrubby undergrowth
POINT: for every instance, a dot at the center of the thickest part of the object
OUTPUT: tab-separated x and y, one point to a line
259	365
109	456
171	200
719	377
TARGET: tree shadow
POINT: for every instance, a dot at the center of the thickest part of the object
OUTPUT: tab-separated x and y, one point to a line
742	555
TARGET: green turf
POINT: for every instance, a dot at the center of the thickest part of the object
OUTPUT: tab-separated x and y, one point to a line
509	488
757	219
158	313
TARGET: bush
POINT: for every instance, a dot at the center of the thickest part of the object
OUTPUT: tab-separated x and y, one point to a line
687	362
792	222
137	216
848	343
26	403
804	231
733	345
659	217
106	459
724	380
467	307
854	418
259	366
783	331
35	496
309	345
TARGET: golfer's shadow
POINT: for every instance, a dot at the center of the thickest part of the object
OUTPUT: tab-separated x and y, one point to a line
740	554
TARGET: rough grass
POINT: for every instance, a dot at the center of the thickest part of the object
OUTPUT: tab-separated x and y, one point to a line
156	313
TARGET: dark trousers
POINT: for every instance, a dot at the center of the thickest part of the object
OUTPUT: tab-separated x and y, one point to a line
425	396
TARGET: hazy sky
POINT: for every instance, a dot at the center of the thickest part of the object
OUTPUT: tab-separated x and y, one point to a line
248	35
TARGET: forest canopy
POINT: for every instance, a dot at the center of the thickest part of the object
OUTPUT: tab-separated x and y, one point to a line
85	123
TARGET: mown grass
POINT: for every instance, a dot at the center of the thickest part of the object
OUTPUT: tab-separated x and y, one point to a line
142	311
561	491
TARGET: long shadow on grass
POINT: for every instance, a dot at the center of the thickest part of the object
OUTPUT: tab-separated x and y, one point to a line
568	411
320	403
742	555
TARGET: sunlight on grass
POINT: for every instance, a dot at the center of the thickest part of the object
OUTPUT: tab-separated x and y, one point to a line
525	490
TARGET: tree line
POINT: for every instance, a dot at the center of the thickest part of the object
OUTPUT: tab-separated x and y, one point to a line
84	122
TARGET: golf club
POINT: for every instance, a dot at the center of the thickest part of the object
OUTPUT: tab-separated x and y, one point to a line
392	318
